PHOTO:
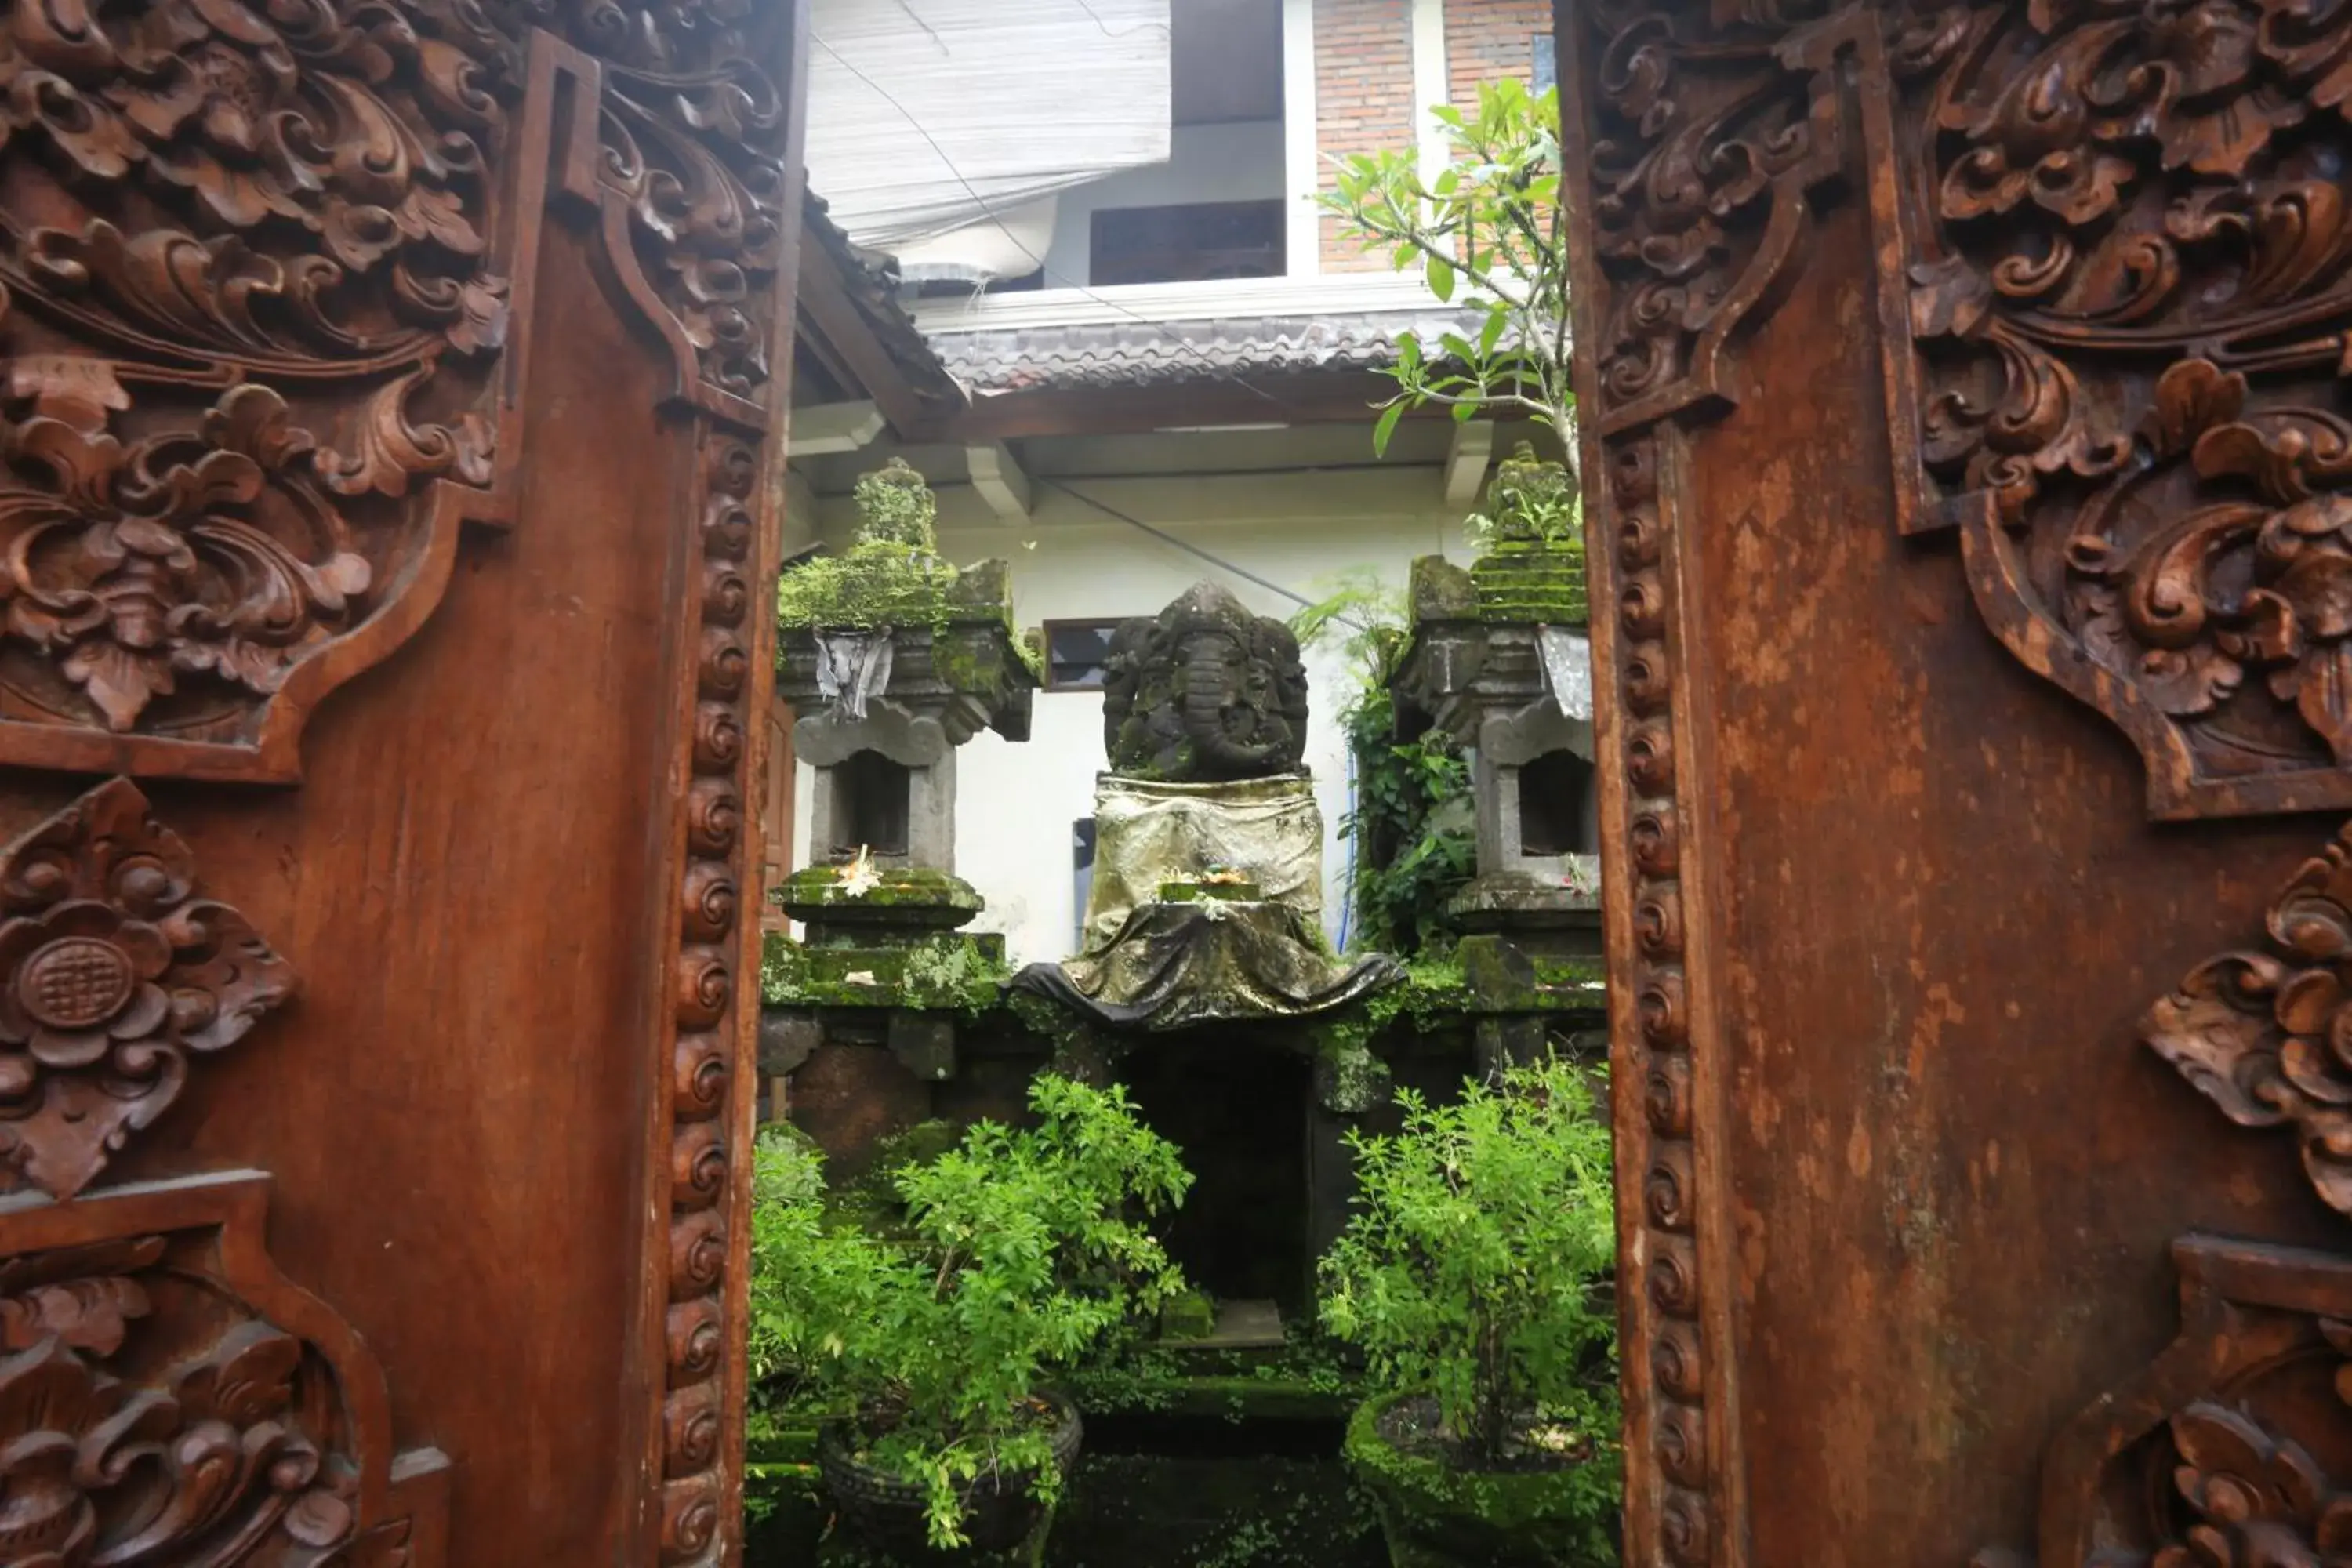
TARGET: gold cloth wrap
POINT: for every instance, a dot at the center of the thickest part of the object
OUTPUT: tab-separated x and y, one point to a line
1166	965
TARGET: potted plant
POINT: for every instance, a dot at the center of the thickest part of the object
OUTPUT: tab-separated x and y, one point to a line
1475	1276
927	1349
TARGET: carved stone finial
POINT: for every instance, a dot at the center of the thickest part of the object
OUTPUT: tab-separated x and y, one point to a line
1532	500
895	505
1204	691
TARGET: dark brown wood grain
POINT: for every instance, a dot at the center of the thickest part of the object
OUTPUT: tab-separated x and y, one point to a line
1904	1190
292	294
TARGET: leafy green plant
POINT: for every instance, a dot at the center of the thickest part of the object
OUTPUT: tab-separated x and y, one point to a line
1488	227
1409	820
1022	1248
1477	1266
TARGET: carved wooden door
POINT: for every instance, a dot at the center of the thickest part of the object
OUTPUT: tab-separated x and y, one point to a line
1964	427
385	460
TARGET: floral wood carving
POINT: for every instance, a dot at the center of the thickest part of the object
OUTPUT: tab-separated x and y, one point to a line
2234	1447
2265	1032
1705	144
691	136
114	974
167	1398
2127	295
247	304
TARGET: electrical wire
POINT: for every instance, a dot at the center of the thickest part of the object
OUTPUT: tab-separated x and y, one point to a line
1211	556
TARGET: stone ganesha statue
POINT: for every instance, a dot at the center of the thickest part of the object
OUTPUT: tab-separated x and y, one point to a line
1205	693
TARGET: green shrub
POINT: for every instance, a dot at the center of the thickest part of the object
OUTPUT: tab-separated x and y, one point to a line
1410	826
1477	1263
1023	1247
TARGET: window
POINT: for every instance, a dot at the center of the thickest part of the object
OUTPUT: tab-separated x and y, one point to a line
1190	244
1075	651
1547	62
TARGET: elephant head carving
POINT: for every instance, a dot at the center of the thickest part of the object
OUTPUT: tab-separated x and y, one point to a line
1204	691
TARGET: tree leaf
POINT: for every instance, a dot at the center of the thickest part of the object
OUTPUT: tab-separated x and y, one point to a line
1386	428
1491	332
1441	278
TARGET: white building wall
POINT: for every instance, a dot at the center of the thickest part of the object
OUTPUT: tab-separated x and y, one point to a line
1016	803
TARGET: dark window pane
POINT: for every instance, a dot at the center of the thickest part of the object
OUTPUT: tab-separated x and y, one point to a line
1189	244
1075	651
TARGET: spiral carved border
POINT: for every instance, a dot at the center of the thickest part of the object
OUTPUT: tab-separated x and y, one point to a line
1667	1341
682	174
696	1491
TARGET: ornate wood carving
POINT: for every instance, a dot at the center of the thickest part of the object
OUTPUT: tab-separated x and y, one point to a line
248	304
2127	311
2265	1032
1705	145
1667	1350
115	973
689	143
2233	1449
167	1397
1704	133
684	164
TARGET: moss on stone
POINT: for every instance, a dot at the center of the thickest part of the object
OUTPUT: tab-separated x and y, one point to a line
1500	975
1532	584
1192	1316
1440	1514
892	575
939	972
1441	591
820	887
1349	1080
1434	994
1531	542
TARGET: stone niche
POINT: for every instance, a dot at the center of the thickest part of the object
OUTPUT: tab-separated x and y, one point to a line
885	773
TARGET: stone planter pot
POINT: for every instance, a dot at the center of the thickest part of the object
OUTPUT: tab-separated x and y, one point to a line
884	1515
1437	1516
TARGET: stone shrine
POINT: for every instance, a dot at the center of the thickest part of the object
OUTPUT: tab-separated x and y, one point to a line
1206	902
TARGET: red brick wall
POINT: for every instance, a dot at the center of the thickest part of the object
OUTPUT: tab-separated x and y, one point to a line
1363	98
1486	40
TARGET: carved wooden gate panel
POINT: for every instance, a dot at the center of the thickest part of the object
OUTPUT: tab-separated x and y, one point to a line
386	435
1962	389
